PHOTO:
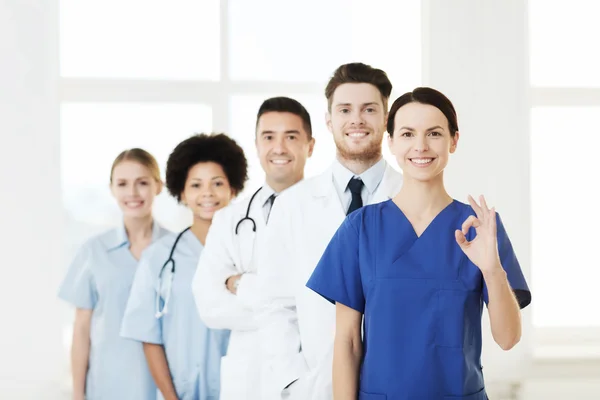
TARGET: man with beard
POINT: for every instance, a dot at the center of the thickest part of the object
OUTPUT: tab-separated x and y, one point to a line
297	325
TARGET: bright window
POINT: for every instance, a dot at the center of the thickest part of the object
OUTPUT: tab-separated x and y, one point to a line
93	134
564	43
305	43
140	39
565	88
565	237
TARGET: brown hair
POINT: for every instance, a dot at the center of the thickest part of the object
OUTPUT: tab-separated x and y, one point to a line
140	156
359	73
429	96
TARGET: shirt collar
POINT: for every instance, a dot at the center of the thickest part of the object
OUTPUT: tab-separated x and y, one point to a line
120	235
265	193
371	177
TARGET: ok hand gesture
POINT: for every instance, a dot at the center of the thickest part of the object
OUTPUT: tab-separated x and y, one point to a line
483	249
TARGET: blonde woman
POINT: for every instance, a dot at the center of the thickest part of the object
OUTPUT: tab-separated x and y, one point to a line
104	365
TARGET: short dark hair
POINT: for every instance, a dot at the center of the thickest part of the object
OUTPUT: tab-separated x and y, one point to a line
359	73
215	147
425	95
286	104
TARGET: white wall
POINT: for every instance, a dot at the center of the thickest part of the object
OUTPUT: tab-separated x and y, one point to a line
30	204
476	53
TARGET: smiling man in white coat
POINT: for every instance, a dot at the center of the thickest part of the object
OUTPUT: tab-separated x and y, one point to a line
297	325
225	285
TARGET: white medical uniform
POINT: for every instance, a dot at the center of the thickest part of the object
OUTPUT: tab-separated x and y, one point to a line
227	254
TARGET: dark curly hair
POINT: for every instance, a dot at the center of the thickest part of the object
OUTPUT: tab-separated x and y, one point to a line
215	147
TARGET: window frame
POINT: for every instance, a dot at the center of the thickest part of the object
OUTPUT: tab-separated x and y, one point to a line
215	94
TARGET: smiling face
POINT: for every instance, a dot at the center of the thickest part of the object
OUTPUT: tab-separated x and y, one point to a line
357	121
206	190
134	188
283	146
421	141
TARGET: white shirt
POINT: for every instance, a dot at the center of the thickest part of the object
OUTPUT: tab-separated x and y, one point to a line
371	179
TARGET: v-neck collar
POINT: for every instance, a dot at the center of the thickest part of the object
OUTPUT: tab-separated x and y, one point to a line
432	222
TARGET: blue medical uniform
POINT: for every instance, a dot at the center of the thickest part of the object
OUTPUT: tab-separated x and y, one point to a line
193	351
422	300
99	279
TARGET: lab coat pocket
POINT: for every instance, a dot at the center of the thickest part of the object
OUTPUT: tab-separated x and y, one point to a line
234	378
457	312
371	396
480	395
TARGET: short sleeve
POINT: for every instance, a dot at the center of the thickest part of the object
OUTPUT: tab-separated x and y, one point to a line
140	322
511	265
78	286
337	276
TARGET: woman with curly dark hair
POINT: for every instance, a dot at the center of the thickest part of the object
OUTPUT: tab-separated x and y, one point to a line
204	173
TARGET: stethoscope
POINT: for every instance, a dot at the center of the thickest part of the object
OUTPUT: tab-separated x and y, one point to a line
170	260
247	217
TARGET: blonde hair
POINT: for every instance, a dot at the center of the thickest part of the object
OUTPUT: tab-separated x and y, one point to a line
140	156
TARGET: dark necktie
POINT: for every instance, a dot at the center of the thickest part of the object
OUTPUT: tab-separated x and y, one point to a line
355	185
271	200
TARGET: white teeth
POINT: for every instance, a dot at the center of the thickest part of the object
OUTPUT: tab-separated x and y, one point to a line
208	204
422	160
134	203
357	134
280	162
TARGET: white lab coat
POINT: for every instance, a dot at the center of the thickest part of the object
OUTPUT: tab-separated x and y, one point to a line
226	254
298	325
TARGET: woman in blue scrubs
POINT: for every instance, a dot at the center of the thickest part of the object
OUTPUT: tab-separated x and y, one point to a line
419	268
204	172
104	365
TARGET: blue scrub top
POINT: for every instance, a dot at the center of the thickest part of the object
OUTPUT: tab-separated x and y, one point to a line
193	350
100	279
421	297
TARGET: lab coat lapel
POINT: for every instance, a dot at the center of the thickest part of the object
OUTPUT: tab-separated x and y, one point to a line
327	200
389	186
328	216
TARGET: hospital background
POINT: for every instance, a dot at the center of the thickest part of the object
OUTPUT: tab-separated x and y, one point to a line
82	80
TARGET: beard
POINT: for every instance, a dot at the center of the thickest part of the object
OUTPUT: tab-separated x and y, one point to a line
367	153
